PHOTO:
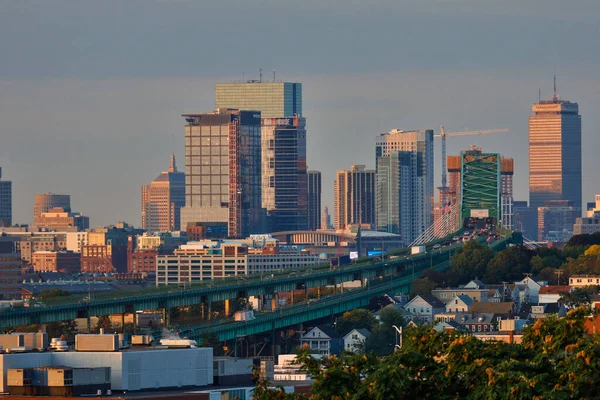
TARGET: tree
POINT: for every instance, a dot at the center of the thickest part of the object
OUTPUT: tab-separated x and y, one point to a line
508	265
390	316
104	322
212	339
421	286
578	297
355	319
435	276
549	275
469	262
593	250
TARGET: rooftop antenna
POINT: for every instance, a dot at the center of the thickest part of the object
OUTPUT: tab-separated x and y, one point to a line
260	74
273	75
555	97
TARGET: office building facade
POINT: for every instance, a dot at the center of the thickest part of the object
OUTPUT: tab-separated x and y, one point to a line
5	202
162	200
284	175
354	197
555	220
272	99
10	270
314	201
223	171
555	153
405	194
326	219
46	201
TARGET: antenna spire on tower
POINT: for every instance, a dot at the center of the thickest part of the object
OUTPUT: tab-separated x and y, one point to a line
555	97
173	164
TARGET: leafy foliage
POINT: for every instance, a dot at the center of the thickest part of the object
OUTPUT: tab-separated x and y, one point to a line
355	319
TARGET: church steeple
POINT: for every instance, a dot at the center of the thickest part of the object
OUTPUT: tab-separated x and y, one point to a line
173	164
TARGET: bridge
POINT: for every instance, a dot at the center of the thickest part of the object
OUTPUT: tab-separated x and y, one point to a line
400	267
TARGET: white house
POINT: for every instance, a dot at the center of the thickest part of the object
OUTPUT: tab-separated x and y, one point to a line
425	307
355	340
321	340
551	294
460	303
533	289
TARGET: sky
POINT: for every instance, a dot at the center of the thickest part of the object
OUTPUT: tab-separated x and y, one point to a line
91	93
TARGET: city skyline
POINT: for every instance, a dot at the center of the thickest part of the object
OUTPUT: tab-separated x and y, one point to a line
343	101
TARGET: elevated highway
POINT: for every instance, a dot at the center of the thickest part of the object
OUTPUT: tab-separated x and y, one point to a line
403	268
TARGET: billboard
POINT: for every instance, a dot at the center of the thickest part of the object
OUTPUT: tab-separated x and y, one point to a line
480	213
374	253
353	255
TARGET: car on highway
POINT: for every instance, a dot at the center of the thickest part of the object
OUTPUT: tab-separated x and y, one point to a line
437	246
456	238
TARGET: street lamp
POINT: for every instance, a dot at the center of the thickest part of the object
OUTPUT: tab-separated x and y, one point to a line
398	345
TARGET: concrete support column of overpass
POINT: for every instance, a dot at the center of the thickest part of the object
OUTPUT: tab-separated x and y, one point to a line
274	302
209	310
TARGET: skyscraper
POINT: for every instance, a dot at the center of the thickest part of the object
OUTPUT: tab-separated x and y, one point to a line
272	99
5	202
555	153
354	197
223	171
10	269
405	194
314	201
284	179
326	219
47	201
162	200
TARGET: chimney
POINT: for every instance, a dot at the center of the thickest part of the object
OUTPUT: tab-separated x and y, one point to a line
102	331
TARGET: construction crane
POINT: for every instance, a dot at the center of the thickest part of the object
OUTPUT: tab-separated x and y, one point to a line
443	134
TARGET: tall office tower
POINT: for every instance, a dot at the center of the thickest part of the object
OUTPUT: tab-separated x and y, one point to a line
5	202
162	200
47	201
314	201
354	197
555	152
414	163
10	269
525	219
326	219
272	99
507	170
223	171
284	177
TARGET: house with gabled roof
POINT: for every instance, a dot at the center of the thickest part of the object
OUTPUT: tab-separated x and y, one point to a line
460	303
424	307
322	340
356	339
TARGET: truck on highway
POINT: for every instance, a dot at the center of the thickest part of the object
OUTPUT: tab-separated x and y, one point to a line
417	250
336	262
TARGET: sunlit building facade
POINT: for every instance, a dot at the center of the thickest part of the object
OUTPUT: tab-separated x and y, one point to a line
272	99
354	197
555	154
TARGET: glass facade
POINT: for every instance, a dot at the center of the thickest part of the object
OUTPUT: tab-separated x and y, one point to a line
5	202
413	180
284	177
354	197
314	201
273	99
222	162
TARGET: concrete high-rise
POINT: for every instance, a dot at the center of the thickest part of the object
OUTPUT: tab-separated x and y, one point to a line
5	202
223	171
47	201
555	153
314	201
162	200
354	197
272	99
284	177
10	269
326	219
404	162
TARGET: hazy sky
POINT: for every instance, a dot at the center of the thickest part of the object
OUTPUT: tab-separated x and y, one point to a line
91	92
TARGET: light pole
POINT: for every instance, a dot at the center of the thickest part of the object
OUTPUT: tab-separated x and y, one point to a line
398	345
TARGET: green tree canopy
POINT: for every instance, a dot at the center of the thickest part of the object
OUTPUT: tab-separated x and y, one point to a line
421	286
508	265
469	262
355	319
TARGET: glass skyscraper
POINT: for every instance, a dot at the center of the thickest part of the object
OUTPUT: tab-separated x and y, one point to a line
354	197
272	99
284	179
555	153
223	171
5	202
404	162
314	201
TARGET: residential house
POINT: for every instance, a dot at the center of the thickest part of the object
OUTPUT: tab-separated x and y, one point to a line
460	303
475	284
494	296
519	295
545	310
322	340
584	280
533	286
424	307
513	325
448	326
447	294
356	339
483	322
501	310
551	294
